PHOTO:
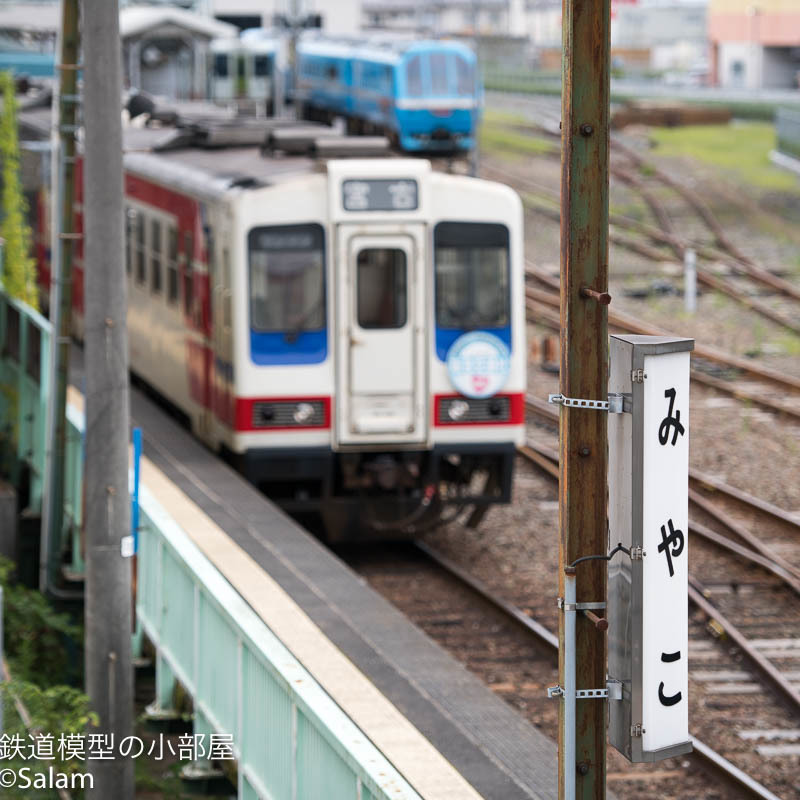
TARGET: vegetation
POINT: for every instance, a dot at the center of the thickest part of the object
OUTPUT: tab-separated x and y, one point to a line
549	83
506	133
36	647
741	149
18	270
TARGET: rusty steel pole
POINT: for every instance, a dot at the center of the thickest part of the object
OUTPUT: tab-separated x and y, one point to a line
584	368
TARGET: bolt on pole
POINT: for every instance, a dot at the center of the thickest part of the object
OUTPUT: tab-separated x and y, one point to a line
584	374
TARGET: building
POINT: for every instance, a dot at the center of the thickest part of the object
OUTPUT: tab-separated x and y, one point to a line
447	17
165	49
755	44
646	35
338	17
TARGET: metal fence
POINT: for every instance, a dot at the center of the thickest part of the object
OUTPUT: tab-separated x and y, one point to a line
787	127
290	739
24	395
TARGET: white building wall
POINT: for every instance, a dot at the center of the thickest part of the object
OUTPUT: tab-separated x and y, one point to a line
739	65
339	16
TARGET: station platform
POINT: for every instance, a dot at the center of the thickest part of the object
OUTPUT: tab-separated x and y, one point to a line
442	729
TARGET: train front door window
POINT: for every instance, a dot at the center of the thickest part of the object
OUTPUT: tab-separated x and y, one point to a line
382	365
382	280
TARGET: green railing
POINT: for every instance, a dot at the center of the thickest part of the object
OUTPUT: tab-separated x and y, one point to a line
24	350
24	395
290	739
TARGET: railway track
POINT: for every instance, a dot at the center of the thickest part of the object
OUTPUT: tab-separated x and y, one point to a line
760	389
661	242
710	759
758	620
512	668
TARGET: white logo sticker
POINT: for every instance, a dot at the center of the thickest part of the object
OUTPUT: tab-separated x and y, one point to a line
478	364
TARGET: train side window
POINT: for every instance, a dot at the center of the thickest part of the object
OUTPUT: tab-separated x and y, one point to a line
141	255
381	288
130	215
439	82
262	66
472	275
173	290
226	302
155	256
188	274
287	279
414	77
221	65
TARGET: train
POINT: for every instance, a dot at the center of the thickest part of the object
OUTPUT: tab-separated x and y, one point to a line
349	333
252	68
425	95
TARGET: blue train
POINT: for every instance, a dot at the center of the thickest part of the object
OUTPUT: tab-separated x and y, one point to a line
424	95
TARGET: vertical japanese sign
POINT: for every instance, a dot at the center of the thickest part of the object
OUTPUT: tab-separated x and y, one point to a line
665	522
648	514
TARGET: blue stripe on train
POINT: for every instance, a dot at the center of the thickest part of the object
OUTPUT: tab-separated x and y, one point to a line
310	347
446	336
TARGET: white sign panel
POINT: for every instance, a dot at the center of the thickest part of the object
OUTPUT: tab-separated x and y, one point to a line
648	473
665	525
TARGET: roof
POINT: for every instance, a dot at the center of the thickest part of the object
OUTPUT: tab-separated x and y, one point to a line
33	17
136	20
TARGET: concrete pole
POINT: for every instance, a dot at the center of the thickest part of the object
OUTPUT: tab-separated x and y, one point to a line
690	280
584	373
109	671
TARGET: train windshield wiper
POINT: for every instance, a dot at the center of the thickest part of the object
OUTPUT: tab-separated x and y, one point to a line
298	324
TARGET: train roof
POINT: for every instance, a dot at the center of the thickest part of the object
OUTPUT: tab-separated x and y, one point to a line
169	155
380	47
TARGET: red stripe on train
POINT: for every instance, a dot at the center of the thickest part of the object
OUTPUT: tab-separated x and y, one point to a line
516	411
245	406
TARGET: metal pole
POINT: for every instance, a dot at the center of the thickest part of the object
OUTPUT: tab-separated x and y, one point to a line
690	280
584	370
63	235
109	671
569	679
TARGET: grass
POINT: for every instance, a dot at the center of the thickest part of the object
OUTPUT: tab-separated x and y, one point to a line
496	135
741	149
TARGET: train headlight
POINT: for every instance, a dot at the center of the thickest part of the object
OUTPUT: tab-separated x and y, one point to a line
458	410
303	413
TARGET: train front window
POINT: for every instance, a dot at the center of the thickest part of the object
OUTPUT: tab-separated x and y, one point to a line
262	66
414	77
472	275
287	279
465	77
439	82
221	65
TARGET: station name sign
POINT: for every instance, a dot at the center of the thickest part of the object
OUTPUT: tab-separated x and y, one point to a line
380	194
649	514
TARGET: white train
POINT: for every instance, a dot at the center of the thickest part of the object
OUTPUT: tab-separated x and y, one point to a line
349	333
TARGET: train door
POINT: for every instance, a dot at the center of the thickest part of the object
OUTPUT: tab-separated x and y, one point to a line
381	366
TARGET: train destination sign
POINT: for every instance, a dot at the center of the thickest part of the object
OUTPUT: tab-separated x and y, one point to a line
380	194
649	514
